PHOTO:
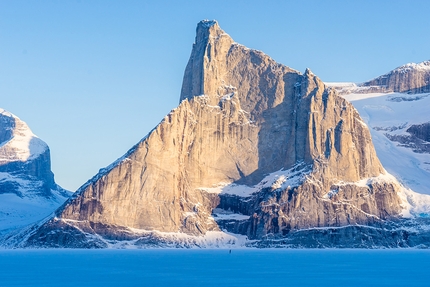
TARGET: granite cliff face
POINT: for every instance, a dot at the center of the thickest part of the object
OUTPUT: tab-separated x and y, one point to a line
28	191
254	148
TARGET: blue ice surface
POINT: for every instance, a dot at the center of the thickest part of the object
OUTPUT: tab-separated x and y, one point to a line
241	267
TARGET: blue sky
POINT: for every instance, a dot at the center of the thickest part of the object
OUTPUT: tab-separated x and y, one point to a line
91	78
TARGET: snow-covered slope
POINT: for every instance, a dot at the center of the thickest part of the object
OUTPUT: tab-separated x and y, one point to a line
389	116
17	141
28	192
423	66
16	212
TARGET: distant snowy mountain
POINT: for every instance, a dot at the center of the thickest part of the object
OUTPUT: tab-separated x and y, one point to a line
411	78
28	192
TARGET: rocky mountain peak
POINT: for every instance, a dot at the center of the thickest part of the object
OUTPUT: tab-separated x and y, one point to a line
308	73
206	28
210	45
207	23
254	147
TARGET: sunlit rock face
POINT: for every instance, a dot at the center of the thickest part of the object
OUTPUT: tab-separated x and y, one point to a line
254	147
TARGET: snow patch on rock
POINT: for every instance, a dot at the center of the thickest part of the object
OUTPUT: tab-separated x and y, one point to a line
423	66
278	180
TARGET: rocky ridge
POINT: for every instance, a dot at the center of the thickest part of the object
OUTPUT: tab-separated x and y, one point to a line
411	78
254	148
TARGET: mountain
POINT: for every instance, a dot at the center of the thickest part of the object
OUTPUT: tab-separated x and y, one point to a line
256	154
410	78
28	191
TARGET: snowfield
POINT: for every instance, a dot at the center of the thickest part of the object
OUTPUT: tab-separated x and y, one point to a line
161	267
393	114
17	212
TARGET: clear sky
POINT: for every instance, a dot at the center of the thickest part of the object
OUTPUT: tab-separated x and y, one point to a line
91	78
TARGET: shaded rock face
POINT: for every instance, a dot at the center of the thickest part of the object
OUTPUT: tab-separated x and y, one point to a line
418	139
410	78
25	163
396	234
241	116
421	131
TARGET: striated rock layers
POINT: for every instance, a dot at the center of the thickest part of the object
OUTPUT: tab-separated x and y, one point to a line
254	147
410	78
